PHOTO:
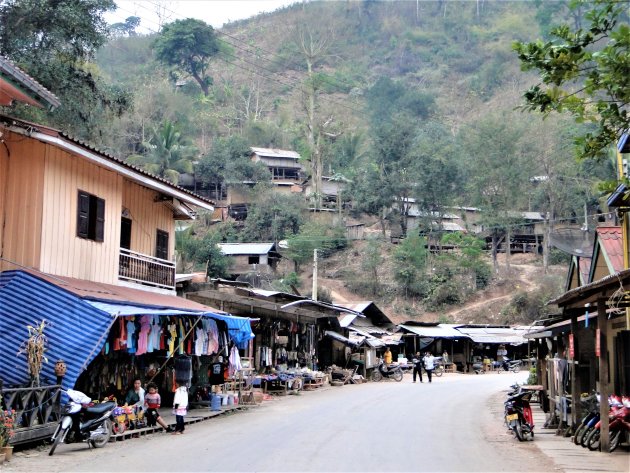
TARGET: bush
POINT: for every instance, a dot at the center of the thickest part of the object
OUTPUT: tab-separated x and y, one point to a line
532	379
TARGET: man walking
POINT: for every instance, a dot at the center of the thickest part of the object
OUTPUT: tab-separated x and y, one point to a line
429	364
417	366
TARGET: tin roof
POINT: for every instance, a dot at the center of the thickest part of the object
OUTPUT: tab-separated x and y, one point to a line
17	85
233	249
275	153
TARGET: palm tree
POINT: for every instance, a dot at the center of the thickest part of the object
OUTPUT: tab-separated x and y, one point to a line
167	154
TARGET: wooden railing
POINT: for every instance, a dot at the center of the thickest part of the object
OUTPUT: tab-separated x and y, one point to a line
36	410
145	269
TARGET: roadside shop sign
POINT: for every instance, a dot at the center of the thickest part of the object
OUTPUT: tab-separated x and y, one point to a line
597	343
571	347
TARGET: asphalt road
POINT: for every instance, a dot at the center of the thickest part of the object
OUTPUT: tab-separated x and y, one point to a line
452	424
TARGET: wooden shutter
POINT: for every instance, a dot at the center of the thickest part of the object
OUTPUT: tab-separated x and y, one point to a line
83	215
161	246
99	228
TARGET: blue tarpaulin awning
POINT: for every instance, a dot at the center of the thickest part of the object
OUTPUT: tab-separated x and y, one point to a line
78	320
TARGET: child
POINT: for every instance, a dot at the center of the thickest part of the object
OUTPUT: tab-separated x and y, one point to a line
152	402
180	406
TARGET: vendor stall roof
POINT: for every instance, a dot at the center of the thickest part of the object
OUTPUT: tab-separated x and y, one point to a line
341	338
437	331
493	335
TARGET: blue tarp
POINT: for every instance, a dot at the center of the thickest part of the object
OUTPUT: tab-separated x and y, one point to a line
74	332
239	328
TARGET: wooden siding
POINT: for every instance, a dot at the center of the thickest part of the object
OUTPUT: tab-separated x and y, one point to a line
63	252
4	169
147	217
23	170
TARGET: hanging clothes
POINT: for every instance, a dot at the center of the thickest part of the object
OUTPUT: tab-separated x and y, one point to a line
143	336
234	362
131	340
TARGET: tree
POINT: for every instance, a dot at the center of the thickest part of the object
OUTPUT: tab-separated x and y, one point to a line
188	45
229	162
167	153
205	251
54	42
272	216
314	236
585	73
411	259
126	28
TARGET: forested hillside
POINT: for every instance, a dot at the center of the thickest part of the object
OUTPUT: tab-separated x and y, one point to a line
404	101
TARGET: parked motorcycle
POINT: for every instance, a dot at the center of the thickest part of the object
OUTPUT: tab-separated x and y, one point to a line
511	365
518	415
619	425
383	371
83	422
591	404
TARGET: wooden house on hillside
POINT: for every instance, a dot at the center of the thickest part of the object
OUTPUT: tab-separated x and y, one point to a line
250	257
284	165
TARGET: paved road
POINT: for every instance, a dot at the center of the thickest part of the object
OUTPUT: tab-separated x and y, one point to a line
452	424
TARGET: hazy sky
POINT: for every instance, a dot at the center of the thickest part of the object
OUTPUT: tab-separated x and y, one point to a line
213	12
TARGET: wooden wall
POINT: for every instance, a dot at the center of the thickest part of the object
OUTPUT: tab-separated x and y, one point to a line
22	169
62	251
147	217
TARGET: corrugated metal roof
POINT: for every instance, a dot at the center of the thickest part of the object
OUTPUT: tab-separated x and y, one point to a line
438	331
341	338
17	75
121	294
275	153
493	335
245	248
346	319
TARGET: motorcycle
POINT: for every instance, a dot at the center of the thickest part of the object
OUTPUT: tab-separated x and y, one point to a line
510	365
619	425
518	415
591	404
81	421
384	371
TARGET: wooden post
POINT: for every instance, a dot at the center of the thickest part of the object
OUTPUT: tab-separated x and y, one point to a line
575	384
604	389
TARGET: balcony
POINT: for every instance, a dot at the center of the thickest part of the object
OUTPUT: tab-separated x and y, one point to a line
147	270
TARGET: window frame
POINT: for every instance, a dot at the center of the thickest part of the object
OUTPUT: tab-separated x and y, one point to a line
90	217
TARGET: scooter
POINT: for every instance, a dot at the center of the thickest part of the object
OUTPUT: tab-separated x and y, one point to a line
81	421
619	424
510	365
518	415
591	403
384	371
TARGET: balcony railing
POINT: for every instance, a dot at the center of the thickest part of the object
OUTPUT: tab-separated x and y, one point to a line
145	269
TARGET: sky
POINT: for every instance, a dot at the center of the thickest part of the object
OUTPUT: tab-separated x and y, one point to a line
213	12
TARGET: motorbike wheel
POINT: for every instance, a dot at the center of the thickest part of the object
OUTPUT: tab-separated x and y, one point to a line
518	431
592	442
398	376
60	433
579	433
615	438
439	371
516	368
376	376
585	435
103	437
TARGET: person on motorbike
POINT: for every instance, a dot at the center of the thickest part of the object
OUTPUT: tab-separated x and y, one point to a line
417	366
429	364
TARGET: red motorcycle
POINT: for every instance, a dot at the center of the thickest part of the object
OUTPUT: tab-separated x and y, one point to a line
619	425
518	415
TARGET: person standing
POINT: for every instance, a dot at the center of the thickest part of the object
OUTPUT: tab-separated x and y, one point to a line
417	366
387	357
180	408
429	364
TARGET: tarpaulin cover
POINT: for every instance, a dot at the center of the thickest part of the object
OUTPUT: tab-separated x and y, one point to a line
74	332
239	328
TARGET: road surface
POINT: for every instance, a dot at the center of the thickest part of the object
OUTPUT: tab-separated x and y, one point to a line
452	424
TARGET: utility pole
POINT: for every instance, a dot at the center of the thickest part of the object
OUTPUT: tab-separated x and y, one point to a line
314	296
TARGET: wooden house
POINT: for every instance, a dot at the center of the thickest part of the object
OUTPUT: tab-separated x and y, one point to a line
284	165
250	257
73	211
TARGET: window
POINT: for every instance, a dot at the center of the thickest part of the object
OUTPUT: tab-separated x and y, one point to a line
90	217
253	259
161	245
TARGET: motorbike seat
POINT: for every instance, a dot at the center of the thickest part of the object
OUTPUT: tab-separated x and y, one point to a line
101	408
